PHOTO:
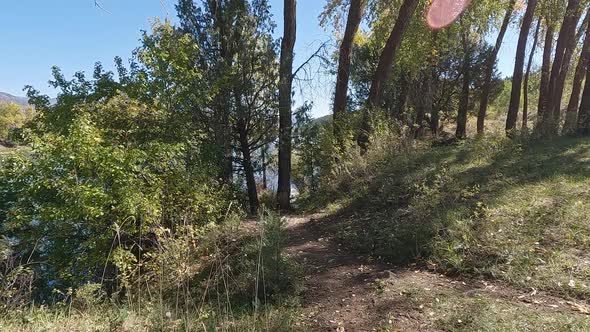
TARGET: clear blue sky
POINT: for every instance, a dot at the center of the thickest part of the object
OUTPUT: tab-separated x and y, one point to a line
74	34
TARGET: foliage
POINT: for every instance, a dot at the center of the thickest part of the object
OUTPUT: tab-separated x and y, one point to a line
308	150
12	118
67	201
201	278
16	279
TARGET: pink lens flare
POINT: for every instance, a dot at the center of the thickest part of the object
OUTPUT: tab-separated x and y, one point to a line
442	13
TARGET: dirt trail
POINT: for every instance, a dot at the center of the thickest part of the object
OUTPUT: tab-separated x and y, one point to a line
347	292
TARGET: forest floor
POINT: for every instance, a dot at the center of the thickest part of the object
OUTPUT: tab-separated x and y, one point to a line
348	292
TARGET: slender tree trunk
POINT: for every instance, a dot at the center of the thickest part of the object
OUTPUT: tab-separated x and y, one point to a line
518	66
264	165
435	116
428	103
461	132
285	102
226	141
525	106
545	72
248	168
572	108
355	14
426	100
567	62
420	109
565	41
490	62
384	67
243	133
584	112
402	101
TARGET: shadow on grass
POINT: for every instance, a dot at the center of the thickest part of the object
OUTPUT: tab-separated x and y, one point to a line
414	200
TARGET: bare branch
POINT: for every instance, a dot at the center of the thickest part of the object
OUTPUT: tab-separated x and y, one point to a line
316	54
99	6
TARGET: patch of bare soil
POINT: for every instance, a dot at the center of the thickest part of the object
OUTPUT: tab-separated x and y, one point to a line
347	292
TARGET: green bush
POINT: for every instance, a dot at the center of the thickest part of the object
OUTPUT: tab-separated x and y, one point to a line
76	197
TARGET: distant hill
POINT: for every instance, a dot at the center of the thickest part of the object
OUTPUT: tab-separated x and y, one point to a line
8	98
323	120
22	101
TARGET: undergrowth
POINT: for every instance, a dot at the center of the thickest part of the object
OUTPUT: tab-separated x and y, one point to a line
228	277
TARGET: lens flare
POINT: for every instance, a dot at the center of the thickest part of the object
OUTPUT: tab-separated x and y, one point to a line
442	13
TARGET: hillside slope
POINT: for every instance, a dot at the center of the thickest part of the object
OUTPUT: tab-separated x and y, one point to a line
514	211
8	98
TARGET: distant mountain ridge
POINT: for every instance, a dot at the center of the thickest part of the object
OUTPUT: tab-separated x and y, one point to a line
8	98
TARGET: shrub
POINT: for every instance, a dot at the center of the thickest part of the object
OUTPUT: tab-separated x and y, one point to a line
74	194
16	280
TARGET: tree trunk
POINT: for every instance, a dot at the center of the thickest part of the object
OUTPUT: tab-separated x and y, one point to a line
264	165
355	14
567	61
427	99
384	67
565	42
226	141
545	72
387	57
461	132
285	102
518	66
420	111
402	101
572	108
490	62
248	168
525	106
584	113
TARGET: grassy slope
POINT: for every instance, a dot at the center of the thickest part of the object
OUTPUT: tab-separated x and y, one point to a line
514	211
517	212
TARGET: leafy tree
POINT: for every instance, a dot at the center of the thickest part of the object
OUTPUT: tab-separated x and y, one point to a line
483	105
527	75
386	59
563	52
308	150
519	64
254	92
355	14
12	117
579	74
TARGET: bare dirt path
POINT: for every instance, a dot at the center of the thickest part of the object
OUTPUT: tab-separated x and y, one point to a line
338	284
347	292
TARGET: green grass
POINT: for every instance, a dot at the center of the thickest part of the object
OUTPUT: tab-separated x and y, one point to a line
246	283
450	309
121	318
518	210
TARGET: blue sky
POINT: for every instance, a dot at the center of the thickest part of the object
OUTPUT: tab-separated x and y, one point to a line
74	34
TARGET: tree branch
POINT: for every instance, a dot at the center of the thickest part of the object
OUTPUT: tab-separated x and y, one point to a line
99	6
316	54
